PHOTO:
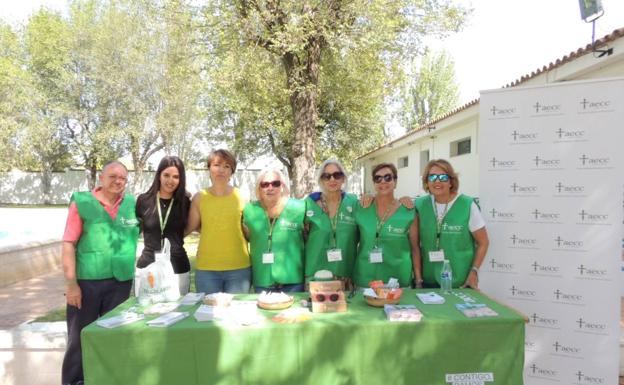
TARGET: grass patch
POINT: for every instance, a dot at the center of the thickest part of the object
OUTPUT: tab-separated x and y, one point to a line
190	244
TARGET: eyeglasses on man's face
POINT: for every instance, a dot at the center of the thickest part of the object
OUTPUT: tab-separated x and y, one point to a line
441	177
385	178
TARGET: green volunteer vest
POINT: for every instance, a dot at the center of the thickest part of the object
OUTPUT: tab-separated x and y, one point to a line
321	238
287	243
455	239
106	248
394	241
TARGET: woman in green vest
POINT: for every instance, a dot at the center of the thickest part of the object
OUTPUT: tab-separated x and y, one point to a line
388	234
274	227
330	223
450	227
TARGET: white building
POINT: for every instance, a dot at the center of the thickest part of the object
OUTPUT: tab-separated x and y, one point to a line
454	136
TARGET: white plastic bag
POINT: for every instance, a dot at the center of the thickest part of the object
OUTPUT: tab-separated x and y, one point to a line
157	282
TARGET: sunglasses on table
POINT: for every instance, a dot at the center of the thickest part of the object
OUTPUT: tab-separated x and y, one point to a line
274	183
330	298
440	177
338	175
385	178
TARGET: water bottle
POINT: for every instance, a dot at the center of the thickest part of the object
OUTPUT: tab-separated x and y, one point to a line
446	277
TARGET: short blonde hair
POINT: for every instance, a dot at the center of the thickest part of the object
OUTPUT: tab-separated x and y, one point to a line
447	167
280	176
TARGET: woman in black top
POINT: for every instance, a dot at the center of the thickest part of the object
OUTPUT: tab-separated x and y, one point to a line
163	213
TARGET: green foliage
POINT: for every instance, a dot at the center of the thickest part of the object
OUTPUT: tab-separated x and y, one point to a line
278	68
432	92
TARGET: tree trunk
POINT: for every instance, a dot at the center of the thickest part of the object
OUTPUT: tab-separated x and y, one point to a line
302	78
46	183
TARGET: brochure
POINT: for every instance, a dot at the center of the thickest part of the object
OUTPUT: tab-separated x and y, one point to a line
119	320
191	299
473	310
168	319
402	313
431	298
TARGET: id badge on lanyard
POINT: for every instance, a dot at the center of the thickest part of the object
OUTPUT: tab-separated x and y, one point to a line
436	256
268	258
376	255
334	255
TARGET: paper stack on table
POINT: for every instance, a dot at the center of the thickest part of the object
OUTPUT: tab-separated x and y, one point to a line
161	308
191	299
431	298
206	313
168	319
402	313
473	310
119	320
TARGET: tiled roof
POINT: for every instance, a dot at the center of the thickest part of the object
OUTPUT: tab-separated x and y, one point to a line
616	34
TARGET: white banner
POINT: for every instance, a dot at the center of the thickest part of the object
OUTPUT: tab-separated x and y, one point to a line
551	176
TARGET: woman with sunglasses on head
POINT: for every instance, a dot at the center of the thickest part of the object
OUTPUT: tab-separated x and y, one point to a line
388	240
330	223
163	213
222	257
451	227
274	226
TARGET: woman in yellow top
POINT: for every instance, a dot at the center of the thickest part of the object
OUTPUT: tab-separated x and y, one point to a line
223	263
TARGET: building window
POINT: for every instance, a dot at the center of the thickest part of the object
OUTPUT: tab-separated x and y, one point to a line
403	162
460	147
424	159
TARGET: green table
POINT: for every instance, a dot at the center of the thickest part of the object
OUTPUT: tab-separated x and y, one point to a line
356	347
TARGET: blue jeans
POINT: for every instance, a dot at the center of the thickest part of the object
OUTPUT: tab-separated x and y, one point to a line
227	281
291	288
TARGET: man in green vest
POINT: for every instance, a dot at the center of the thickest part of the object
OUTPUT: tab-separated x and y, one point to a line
99	249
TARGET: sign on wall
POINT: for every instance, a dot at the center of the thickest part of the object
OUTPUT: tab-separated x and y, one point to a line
551	171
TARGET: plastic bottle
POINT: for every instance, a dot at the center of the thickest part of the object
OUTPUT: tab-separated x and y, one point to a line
446	277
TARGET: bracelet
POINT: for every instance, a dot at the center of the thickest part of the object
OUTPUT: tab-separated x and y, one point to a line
476	270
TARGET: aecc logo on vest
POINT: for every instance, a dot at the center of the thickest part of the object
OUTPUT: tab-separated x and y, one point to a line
452	229
393	230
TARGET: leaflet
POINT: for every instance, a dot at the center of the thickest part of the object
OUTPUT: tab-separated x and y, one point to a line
119	320
431	298
168	319
473	310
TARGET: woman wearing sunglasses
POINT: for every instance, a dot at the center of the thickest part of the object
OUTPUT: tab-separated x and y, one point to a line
450	227
330	222
223	263
274	227
388	239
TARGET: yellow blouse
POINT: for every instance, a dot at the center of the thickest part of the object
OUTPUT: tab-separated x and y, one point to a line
222	245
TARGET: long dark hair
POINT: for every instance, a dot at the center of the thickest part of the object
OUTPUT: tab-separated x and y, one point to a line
179	194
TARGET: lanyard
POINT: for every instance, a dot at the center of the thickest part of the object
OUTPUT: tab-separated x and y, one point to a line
163	222
332	220
271	224
383	221
439	220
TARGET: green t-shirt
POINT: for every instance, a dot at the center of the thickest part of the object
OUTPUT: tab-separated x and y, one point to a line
321	237
286	243
455	239
106	248
394	242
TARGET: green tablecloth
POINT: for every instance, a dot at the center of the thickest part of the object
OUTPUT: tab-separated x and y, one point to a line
356	347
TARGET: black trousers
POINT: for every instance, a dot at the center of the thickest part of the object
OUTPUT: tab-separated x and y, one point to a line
98	298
